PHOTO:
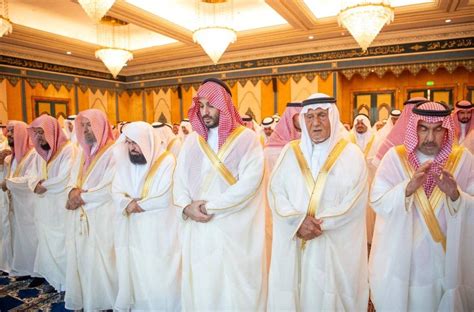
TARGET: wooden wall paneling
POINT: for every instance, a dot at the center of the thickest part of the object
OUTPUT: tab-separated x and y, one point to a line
302	89
162	105
267	99
125	110
250	98
284	95
174	106
14	101
326	86
3	102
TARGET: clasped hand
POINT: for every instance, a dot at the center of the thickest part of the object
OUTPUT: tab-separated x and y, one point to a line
75	201
310	228
197	211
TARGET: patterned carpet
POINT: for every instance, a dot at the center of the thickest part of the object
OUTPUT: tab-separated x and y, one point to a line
15	295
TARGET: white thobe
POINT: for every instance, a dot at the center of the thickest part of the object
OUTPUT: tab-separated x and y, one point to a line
50	216
223	259
330	274
409	271
91	276
21	184
146	244
6	251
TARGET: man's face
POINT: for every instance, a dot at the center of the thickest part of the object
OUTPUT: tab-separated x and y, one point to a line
70	126
185	130
360	126
430	137
10	135
379	126
135	153
318	124
268	131
394	119
464	115
248	124
296	122
39	137
88	133
175	129
210	114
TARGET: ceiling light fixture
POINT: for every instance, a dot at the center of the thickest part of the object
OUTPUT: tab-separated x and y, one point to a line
310	37
96	9
5	24
113	35
364	19
68	52
215	31
447	21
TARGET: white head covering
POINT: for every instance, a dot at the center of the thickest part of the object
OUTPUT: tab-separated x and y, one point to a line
71	135
324	101
188	126
164	131
362	138
268	122
133	176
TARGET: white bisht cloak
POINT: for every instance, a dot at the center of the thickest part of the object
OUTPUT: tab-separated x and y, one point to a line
330	273
223	260
146	244
408	270
91	275
21	183
50	216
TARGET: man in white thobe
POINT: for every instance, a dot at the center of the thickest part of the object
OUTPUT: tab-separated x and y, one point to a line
146	243
422	255
318	196
69	128
217	187
268	125
91	276
20	181
170	142
5	228
463	121
53	170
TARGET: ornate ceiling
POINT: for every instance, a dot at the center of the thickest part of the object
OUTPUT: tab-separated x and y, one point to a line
161	31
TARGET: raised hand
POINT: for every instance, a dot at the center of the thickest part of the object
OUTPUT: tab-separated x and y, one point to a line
448	185
419	177
310	228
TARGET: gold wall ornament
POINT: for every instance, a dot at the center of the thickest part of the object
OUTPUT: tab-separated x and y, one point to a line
5	24
215	27
96	9
113	36
364	19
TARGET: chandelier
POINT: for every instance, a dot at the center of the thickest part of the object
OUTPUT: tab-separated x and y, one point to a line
114	38
5	24
96	9
215	31
365	19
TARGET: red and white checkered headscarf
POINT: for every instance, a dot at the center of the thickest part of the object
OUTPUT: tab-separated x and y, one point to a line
397	134
53	134
457	124
229	118
101	129
21	139
411	142
285	131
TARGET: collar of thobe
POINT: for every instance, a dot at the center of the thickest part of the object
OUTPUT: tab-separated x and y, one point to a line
213	139
318	156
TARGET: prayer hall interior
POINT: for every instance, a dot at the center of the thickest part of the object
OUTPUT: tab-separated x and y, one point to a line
141	60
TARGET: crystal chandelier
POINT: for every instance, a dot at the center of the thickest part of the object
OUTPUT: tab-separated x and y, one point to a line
114	38
96	9
215	31
365	19
5	24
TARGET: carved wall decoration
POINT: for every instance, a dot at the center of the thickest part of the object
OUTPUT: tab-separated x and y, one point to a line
249	97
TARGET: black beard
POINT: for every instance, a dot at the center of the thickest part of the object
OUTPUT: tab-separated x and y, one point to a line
46	147
137	159
10	143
